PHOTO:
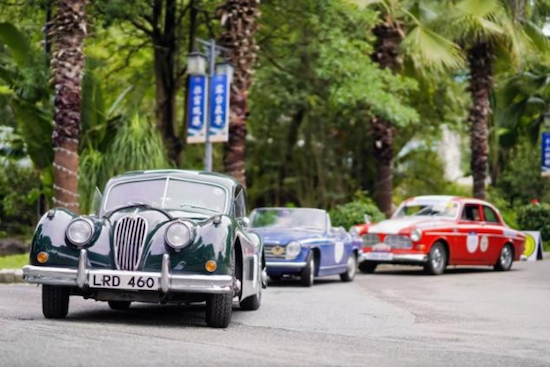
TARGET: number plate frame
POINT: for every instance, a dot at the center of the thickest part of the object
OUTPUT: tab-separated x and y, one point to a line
380	256
136	282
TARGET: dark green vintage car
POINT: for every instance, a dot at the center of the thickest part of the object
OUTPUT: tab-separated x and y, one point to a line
167	236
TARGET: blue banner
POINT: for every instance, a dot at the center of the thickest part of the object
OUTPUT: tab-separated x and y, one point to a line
196	124
219	108
545	164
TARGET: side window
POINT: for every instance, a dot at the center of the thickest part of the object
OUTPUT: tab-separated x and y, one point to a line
490	215
240	204
471	212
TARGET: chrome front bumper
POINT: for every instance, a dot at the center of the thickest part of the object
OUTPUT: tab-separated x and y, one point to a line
283	264
168	282
399	258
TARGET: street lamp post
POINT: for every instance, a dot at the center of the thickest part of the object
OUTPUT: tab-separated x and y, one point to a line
196	65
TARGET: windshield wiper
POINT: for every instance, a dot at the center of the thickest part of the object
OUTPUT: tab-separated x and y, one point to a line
197	207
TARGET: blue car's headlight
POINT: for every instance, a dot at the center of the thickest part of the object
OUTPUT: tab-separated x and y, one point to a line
293	249
80	231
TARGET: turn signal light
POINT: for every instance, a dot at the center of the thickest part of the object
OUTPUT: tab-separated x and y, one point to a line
42	257
210	266
421	247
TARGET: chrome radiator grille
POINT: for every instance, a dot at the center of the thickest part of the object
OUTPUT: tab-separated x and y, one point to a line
370	239
399	242
129	239
274	251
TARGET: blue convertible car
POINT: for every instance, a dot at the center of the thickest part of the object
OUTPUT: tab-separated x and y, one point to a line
302	242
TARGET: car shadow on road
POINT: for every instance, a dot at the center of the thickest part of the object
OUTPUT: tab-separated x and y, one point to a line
295	282
143	314
416	271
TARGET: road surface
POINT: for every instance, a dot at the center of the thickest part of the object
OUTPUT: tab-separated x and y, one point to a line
395	317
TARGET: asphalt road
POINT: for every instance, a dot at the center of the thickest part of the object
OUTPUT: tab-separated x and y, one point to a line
396	317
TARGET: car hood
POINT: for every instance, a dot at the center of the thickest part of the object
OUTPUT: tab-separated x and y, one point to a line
397	225
155	217
282	236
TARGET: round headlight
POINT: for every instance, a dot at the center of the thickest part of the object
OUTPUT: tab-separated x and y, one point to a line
178	235
416	235
293	249
80	231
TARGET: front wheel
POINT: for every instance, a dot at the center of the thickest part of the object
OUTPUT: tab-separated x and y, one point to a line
308	273
55	302
367	267
252	303
437	260
506	258
119	305
350	271
219	308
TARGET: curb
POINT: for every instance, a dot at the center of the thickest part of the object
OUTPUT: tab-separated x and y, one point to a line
11	275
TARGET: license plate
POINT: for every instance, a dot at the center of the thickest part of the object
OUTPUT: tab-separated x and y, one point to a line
134	282
384	256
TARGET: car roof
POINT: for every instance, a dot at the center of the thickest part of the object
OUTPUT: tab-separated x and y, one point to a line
208	177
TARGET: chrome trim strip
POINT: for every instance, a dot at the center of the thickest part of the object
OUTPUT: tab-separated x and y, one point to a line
333	266
285	264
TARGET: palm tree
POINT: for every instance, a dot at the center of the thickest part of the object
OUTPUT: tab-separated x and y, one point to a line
405	30
239	19
67	62
487	30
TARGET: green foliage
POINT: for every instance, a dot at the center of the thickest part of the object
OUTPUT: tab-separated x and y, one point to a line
354	212
535	218
18	193
421	172
137	145
14	261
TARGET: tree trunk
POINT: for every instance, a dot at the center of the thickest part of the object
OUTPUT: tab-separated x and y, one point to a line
481	83
164	41
69	31
239	19
386	53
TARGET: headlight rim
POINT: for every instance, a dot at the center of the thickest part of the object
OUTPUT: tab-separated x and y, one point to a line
416	235
89	239
192	234
287	257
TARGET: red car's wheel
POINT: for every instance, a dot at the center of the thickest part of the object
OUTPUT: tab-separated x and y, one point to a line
506	258
437	260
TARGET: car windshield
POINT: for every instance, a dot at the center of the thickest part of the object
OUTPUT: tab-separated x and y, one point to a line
312	219
446	209
168	193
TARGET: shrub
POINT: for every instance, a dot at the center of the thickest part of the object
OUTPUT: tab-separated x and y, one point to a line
535	217
353	213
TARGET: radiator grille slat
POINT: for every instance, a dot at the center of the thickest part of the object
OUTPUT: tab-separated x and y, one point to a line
398	242
129	239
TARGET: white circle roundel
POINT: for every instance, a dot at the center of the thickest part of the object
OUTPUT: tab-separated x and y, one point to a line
338	251
484	245
471	242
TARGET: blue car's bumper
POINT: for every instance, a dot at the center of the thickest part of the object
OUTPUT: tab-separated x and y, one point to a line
282	266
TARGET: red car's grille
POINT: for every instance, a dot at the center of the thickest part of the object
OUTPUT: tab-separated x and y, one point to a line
398	242
129	238
370	239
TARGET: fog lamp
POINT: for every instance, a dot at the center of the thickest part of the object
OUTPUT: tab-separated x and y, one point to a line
210	266
42	257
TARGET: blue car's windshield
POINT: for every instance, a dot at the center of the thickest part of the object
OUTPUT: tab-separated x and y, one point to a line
168	193
298	218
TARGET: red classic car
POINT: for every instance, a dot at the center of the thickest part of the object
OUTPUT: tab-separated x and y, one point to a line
436	231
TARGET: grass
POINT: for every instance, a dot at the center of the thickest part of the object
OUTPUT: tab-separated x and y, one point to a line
14	261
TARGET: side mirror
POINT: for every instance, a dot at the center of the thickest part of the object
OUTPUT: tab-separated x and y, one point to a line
245	221
367	219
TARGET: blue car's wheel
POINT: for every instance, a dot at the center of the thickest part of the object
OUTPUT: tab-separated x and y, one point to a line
308	273
349	274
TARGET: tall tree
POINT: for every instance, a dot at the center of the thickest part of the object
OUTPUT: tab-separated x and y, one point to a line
67	62
489	32
239	17
403	26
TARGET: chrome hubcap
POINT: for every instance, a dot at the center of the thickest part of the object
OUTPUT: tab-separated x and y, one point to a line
312	274
506	257
351	266
437	258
